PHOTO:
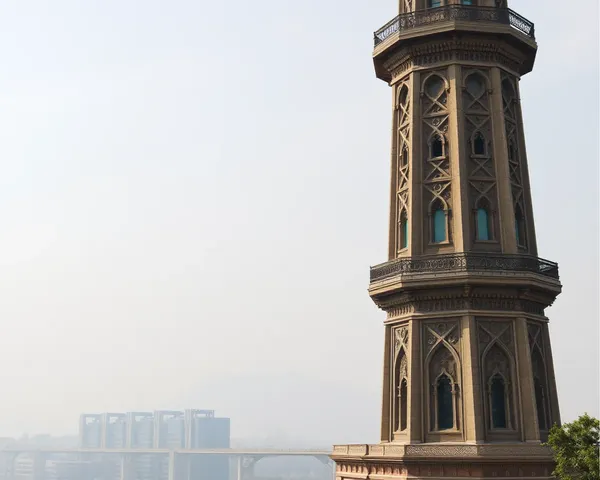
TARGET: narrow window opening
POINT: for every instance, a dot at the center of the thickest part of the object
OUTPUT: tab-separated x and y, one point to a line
520	226
511	152
403	230
467	2
445	409
437	147
434	3
539	401
439	225
479	144
498	397
483	224
404	158
403	405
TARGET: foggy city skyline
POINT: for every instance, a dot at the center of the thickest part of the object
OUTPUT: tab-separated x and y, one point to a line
192	195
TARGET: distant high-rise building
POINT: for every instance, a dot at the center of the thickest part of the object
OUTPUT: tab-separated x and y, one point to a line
162	429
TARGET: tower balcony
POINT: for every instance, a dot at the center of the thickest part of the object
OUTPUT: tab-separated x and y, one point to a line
502	22
465	262
536	277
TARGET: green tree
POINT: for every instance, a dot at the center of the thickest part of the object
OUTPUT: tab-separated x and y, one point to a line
575	447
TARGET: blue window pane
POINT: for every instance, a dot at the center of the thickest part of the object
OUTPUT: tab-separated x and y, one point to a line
435	3
439	226
445	408
467	2
404	233
498	403
483	231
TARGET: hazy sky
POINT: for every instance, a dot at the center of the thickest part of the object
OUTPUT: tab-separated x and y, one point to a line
192	193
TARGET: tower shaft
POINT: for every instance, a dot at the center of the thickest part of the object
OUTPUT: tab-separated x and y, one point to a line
469	387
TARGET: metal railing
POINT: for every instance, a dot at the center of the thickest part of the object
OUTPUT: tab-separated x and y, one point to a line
408	21
465	262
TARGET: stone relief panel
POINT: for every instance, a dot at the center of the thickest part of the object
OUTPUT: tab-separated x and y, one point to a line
502	332
510	104
443	375
442	332
403	155
497	347
437	173
483	193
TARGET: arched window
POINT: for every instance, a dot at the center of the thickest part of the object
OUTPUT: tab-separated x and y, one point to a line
404	158
403	98
520	227
483	224
498	402
439	225
437	147
403	230
479	147
434	86
403	404
511	152
401	386
445	409
475	85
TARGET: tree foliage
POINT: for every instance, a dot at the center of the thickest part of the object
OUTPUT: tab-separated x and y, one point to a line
575	447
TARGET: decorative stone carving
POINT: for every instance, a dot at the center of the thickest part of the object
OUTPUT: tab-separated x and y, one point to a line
495	331
468	50
401	338
436	169
402	162
441	332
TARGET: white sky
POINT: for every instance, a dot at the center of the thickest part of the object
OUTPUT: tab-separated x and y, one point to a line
191	193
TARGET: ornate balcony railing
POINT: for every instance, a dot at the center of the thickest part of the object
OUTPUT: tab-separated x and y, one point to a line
408	21
465	262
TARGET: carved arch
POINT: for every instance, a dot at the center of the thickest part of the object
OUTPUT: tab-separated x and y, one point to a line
401	379
497	361
480	145
432	77
442	365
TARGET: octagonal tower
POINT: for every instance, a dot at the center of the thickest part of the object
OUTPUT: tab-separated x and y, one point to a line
469	387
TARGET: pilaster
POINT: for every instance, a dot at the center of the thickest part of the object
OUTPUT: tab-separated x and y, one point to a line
471	390
460	214
388	381
531	238
416	169
393	227
528	411
554	408
508	235
415	392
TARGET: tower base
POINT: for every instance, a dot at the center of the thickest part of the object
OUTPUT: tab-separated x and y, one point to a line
432	461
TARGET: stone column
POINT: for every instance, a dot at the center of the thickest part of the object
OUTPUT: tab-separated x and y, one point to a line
528	410
508	236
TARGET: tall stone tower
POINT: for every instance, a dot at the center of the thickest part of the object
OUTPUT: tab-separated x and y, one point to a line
468	379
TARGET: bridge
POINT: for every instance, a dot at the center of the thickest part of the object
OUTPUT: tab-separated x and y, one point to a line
178	459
